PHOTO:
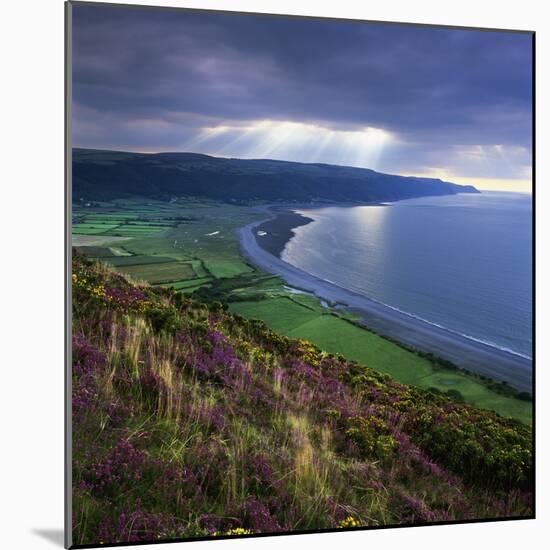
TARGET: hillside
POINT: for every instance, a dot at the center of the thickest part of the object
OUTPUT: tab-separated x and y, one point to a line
106	175
190	422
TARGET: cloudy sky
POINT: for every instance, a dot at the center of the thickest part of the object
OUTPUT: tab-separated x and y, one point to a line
453	104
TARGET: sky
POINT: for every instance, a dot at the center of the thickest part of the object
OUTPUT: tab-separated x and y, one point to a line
410	100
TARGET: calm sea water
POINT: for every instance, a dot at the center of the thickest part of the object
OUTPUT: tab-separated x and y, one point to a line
462	262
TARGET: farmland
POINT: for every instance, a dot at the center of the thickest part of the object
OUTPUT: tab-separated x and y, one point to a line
162	242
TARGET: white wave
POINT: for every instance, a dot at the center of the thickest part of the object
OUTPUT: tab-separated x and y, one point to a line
419	318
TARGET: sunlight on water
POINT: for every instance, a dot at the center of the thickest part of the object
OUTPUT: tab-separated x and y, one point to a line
462	262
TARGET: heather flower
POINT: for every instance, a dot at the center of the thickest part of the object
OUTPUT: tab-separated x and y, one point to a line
259	517
211	523
122	464
413	510
210	464
86	358
385	451
219	363
337	512
137	526
303	370
87	362
261	469
126	297
216	338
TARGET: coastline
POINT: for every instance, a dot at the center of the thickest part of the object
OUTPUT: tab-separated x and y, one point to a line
279	230
464	352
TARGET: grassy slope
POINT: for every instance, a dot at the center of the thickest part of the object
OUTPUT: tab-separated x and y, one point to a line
188	421
205	260
340	337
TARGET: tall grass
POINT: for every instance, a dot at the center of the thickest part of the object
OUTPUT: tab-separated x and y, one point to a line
191	422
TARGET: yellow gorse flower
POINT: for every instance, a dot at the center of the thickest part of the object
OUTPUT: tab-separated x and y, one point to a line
239	531
350	521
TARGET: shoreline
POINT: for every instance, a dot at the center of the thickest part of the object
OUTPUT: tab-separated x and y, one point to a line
469	354
278	231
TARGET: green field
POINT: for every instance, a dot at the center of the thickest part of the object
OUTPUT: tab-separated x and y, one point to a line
161	272
339	336
191	245
96	252
188	244
121	261
92	229
191	284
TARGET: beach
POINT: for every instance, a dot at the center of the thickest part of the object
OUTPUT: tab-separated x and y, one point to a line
277	231
263	251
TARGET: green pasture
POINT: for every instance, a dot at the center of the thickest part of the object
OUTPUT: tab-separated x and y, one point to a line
339	336
106	219
188	284
159	273
95	251
122	261
99	240
92	229
131	231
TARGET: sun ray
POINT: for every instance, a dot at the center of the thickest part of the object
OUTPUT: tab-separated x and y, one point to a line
287	140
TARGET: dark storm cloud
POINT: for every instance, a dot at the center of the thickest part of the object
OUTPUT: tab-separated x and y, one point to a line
150	78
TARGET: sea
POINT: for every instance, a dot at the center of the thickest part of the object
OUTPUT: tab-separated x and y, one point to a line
462	262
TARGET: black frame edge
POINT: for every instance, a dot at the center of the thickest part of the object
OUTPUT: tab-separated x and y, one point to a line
68	539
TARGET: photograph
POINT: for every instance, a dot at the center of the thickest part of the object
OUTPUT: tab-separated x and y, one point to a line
300	274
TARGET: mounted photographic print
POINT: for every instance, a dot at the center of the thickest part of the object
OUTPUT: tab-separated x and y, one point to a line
299	274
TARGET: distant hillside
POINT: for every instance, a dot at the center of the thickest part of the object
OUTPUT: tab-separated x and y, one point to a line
190	422
105	175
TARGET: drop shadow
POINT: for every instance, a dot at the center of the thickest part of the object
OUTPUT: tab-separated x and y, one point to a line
56	536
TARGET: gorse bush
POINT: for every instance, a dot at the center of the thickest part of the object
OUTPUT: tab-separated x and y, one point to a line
190	422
